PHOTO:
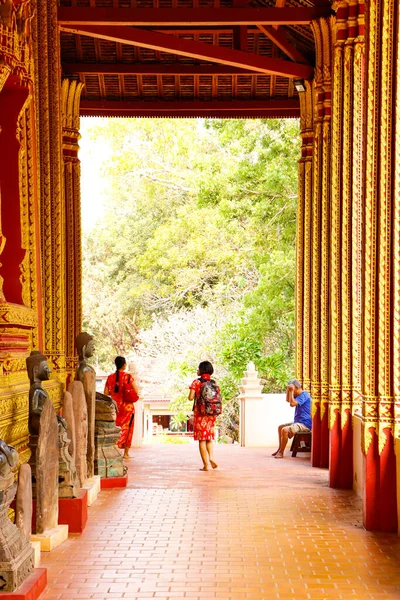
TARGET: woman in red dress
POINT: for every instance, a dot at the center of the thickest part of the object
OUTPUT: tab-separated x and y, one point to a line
203	425
115	385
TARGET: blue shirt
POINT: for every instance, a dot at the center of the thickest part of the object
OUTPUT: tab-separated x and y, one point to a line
302	414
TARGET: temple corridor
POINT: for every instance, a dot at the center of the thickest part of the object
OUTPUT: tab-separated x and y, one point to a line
256	528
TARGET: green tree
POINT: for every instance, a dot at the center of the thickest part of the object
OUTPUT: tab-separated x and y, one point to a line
198	215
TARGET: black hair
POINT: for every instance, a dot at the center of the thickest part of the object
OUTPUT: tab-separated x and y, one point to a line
120	361
206	368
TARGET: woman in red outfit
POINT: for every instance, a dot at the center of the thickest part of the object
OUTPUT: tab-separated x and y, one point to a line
203	425
115	385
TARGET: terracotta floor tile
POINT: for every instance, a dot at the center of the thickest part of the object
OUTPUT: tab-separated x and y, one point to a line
255	529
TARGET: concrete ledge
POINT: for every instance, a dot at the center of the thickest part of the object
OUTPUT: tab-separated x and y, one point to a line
114	482
93	487
52	538
31	589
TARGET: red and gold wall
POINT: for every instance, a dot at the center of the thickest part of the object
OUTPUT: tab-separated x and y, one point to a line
348	289
39	209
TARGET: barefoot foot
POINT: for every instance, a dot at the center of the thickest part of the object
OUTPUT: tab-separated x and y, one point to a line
213	464
204	469
275	453
279	455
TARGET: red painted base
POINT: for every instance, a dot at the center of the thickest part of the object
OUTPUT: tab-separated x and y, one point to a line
113	482
31	589
73	512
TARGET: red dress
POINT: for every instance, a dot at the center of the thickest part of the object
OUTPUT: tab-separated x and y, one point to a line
203	425
126	410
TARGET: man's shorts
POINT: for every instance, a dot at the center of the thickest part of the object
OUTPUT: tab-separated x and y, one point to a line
296	428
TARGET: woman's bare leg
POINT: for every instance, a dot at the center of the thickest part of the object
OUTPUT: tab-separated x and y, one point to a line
210	450
203	454
126	452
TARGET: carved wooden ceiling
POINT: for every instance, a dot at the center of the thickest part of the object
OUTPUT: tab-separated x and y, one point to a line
211	58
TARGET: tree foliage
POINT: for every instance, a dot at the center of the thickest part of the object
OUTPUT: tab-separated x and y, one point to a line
194	255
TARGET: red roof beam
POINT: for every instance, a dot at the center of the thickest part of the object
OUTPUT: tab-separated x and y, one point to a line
278	36
182	47
217	109
153	69
152	17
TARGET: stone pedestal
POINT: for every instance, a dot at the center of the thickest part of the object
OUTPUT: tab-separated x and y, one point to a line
31	589
16	553
250	407
108	457
37	551
108	483
138	432
51	538
108	460
74	512
93	487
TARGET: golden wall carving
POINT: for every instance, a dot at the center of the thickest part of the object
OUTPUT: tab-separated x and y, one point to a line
27	30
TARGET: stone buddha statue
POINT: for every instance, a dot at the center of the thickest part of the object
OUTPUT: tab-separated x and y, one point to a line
38	371
85	347
43	443
86	374
16	554
8	464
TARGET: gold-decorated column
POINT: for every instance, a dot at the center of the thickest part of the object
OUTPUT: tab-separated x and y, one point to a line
48	111
303	248
70	99
321	241
380	263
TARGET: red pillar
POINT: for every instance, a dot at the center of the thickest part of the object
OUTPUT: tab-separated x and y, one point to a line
334	453
341	453
346	458
325	438
388	486
316	439
371	493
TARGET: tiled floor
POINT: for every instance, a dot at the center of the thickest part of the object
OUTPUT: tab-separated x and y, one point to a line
257	528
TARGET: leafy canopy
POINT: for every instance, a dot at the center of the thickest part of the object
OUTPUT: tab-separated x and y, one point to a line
197	215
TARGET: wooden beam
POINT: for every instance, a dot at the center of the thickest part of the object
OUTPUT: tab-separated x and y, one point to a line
171	44
212	109
278	36
153	69
141	17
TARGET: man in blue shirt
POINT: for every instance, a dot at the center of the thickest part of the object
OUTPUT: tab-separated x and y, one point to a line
301	400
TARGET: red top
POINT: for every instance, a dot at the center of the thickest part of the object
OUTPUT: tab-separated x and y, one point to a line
122	380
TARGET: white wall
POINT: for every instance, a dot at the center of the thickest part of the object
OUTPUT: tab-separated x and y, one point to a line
260	420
